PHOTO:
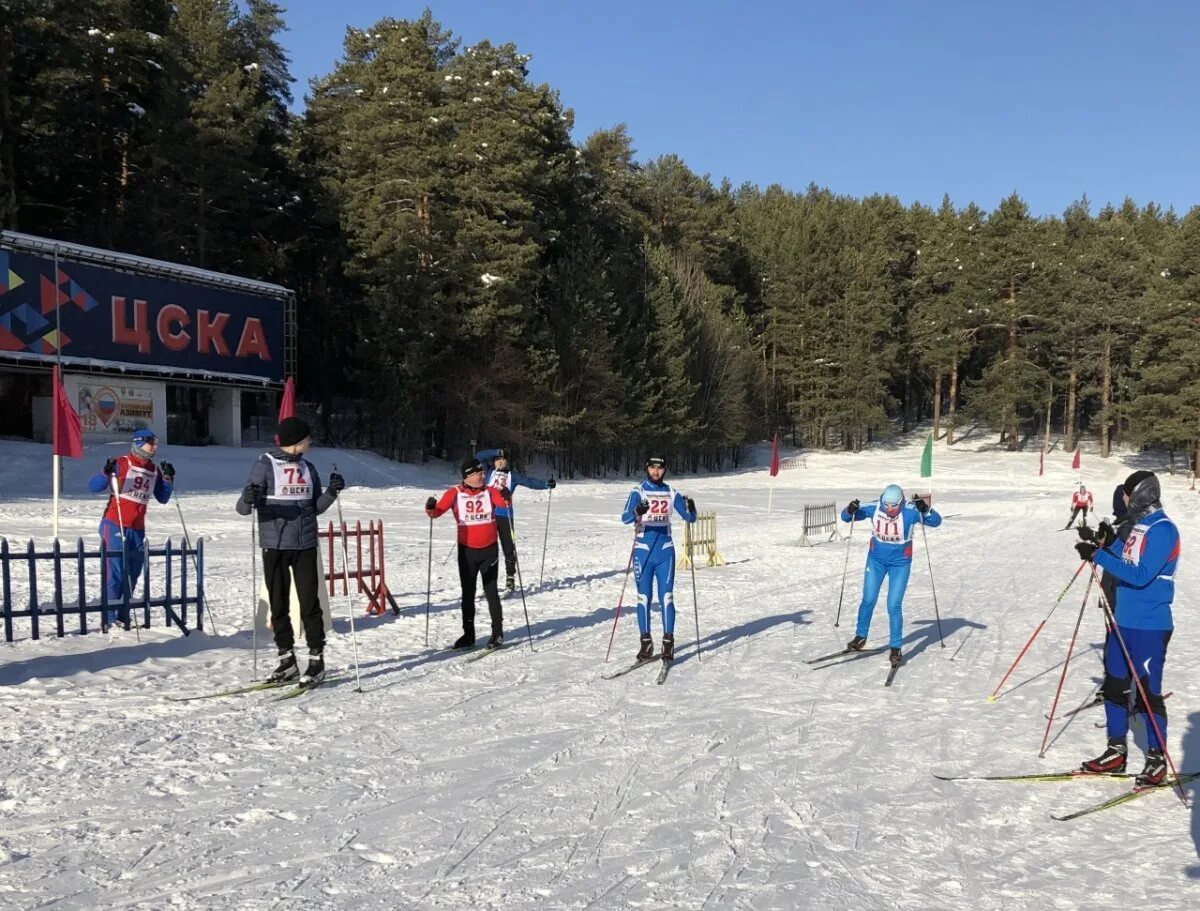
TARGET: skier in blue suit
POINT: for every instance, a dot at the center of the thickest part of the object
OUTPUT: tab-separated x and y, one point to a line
502	477
1142	555
649	505
889	556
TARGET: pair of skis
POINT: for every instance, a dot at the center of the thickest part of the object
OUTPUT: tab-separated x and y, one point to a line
846	655
293	690
642	662
1132	793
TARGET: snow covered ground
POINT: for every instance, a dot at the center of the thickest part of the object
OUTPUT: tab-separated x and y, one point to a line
749	780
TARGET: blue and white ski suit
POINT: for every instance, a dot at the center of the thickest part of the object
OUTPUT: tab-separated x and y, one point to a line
653	549
890	556
1145	575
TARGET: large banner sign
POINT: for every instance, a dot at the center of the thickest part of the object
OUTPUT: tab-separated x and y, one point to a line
114	317
113	408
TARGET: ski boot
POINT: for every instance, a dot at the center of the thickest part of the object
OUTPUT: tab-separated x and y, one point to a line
496	640
668	647
895	657
315	672
646	652
1154	772
466	640
857	644
1112	759
288	668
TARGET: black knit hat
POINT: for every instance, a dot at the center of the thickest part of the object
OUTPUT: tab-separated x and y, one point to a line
292	431
1134	480
470	466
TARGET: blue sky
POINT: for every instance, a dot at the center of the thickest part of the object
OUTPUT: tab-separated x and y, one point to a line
975	99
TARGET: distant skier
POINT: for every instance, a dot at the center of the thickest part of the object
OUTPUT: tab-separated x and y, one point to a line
890	555
1081	501
475	507
649	505
285	491
137	480
501	477
1144	570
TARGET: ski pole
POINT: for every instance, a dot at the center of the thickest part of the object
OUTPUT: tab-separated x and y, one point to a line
127	587
453	547
933	588
429	582
521	586
621	599
254	586
1036	632
187	544
545	540
845	570
695	605
1063	676
346	588
1133	671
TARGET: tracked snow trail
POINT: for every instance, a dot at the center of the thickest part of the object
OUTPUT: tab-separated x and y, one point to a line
749	780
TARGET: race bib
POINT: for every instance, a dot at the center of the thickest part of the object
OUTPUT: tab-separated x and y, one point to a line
138	485
889	530
293	481
473	509
499	480
660	507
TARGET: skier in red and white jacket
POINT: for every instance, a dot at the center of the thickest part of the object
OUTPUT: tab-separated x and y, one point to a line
1081	501
123	527
475	506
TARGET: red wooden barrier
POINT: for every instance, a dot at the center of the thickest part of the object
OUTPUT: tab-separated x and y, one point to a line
370	578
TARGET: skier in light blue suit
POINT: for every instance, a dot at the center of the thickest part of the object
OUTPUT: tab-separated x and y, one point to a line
650	505
502	477
890	557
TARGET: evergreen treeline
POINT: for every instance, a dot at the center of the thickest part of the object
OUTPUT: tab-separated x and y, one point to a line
468	272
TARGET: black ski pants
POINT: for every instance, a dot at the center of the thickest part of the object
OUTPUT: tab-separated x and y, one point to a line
279	566
484	562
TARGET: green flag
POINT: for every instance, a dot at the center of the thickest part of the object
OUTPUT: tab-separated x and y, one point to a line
927	459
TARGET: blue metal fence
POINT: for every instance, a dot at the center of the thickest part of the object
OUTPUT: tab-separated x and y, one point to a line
164	584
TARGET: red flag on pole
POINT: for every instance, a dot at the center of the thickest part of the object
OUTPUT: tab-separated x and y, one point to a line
775	455
1075	461
287	408
67	435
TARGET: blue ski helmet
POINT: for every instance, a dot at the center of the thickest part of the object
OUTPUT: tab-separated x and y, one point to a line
142	438
892	499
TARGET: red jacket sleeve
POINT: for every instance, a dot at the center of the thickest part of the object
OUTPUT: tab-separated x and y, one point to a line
497	497
446	501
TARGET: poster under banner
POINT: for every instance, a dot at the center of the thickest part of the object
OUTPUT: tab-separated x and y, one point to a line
115	408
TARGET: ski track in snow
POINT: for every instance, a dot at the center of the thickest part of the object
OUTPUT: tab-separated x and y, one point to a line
747	781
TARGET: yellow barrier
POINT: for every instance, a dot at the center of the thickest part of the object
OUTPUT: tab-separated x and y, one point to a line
701	534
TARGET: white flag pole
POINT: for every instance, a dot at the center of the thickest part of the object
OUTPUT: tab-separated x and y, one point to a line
56	485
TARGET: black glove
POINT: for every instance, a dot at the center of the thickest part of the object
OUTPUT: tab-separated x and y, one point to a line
110	467
642	508
1105	535
254	495
922	506
431	504
168	471
690	504
1086	550
336	482
852	507
506	493
551	484
1086	533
